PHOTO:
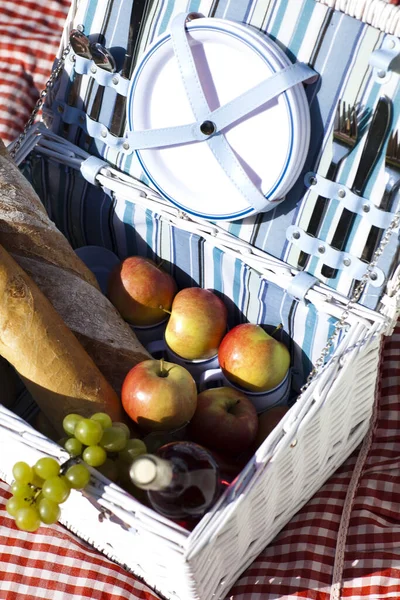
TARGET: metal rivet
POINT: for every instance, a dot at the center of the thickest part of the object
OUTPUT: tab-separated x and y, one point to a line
115	80
72	58
103	133
321	249
366	208
341	193
296	235
60	109
293	444
312	181
80	28
346	262
93	69
373	276
207	127
125	145
391	44
381	74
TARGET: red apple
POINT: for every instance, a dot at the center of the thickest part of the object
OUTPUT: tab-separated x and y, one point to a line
225	420
267	422
159	395
252	359
137	288
197	324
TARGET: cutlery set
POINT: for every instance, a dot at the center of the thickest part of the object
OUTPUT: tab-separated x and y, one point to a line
346	136
103	59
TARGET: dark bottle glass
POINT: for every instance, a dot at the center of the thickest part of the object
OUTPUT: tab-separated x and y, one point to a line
182	480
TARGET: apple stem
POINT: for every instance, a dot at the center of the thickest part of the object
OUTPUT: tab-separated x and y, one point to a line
164	309
163	372
160	263
276	329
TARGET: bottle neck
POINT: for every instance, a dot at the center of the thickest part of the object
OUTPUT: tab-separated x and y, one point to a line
150	472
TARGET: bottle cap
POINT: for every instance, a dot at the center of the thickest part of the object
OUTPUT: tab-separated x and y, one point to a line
150	472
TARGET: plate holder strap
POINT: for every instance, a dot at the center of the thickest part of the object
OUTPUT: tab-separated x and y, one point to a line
209	125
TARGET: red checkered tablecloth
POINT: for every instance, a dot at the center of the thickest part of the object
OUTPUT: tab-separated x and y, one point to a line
53	564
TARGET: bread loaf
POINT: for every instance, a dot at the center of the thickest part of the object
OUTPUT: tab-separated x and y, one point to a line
56	370
28	234
25	227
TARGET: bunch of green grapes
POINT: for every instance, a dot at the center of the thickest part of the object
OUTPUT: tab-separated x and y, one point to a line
102	443
38	491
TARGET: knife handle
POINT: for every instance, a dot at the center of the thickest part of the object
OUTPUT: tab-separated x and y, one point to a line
318	214
97	102
375	232
72	97
339	239
117	126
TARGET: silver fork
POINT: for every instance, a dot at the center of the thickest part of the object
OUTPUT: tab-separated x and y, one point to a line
392	168
345	137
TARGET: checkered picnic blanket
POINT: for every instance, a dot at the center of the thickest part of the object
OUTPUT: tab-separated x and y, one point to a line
300	563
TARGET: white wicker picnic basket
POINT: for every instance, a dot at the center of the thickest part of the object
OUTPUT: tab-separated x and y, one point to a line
334	331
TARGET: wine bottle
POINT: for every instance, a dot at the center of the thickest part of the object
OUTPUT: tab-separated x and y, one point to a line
182	480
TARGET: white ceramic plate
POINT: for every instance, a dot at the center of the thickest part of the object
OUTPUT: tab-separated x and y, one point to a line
270	143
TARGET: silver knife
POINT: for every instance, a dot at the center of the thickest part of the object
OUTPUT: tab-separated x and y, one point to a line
376	136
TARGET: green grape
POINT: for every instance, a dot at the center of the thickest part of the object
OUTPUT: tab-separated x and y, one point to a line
46	467
70	422
56	489
22	490
94	456
103	418
113	439
14	503
77	476
22	472
88	432
49	511
109	469
133	448
27	518
124	428
73	446
37	481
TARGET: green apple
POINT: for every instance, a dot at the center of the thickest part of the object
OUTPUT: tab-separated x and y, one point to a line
141	291
252	359
159	395
197	324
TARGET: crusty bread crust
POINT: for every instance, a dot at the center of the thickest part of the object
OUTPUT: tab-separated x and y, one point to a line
32	239
57	371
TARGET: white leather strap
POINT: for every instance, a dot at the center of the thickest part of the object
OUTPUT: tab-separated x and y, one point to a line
225	115
337	259
349	200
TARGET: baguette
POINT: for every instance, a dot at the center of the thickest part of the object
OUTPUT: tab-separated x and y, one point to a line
56	370
28	234
25	227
